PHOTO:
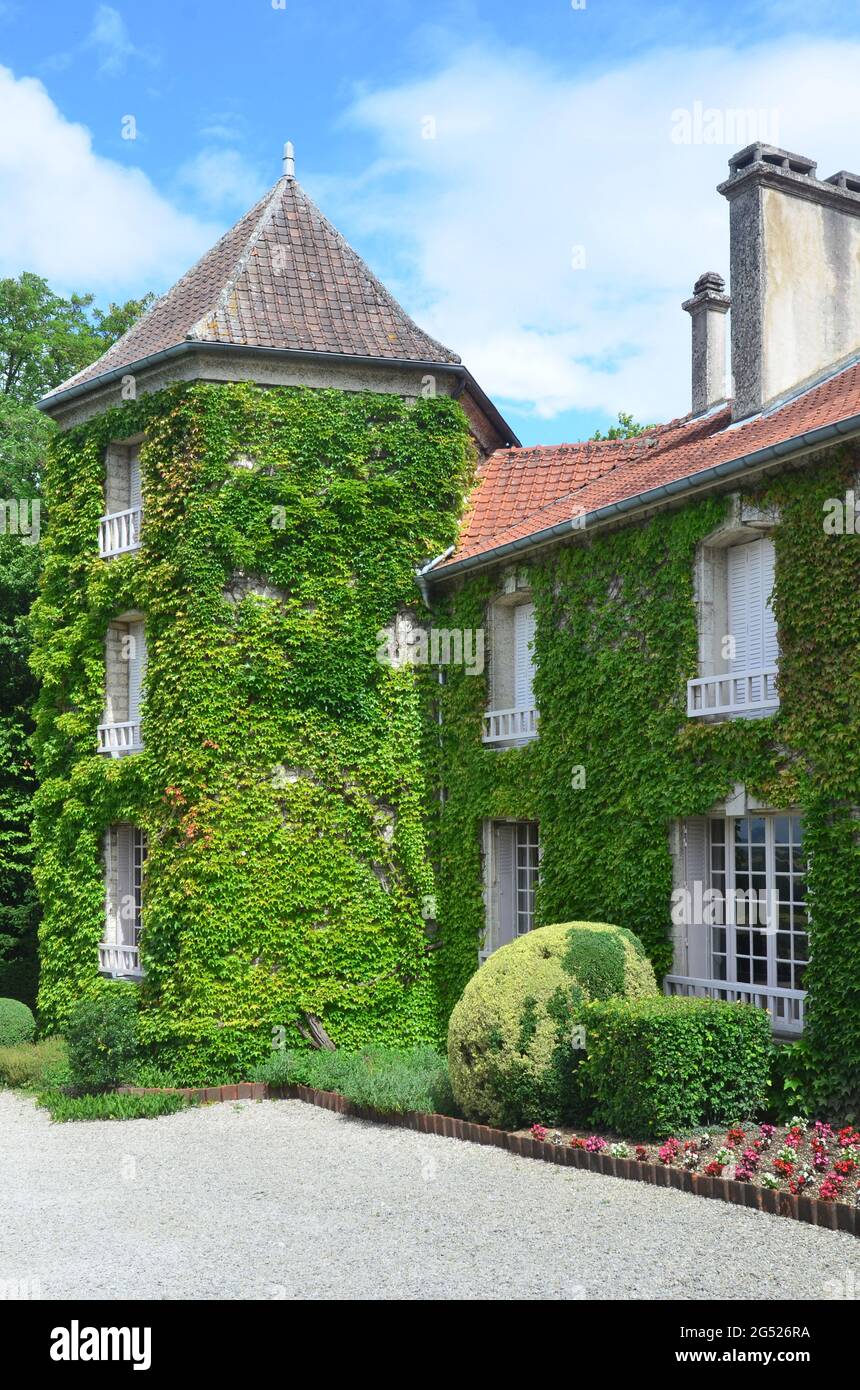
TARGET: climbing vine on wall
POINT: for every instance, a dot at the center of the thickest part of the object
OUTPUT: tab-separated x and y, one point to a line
281	785
616	642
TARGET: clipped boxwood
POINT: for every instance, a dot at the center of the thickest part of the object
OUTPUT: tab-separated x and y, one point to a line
17	1024
102	1038
511	1050
659	1066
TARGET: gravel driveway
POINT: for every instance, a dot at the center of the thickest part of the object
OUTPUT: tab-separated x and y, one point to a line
278	1199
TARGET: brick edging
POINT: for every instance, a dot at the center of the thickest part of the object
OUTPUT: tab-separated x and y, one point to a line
833	1216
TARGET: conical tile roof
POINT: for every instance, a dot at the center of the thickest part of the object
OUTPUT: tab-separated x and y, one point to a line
282	277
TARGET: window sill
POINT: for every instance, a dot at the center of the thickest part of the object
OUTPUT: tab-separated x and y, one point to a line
120	962
510	726
746	695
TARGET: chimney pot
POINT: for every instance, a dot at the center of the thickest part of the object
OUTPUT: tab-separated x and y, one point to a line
707	309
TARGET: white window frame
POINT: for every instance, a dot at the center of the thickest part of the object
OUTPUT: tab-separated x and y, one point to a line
696	967
125	858
512	719
723	688
509	890
120	527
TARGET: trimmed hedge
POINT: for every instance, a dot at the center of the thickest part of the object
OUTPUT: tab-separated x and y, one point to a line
512	1055
17	1024
388	1079
658	1066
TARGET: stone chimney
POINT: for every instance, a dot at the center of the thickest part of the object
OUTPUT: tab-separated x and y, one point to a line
707	309
795	273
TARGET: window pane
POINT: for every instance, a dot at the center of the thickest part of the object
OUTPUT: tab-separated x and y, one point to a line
757	829
780	829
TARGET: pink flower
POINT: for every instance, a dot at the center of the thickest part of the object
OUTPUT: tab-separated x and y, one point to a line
538	1132
594	1144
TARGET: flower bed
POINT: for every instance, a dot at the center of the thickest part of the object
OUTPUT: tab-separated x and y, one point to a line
801	1158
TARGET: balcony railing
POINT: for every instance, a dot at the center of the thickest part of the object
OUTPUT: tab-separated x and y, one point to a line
119	532
744	693
785	1006
119	960
509	725
119	739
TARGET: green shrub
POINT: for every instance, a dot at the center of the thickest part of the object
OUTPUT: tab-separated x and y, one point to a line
660	1066
102	1038
511	1048
390	1080
64	1107
17	1024
30	1064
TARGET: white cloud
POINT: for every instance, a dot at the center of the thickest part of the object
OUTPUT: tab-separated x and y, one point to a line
110	40
528	163
82	221
221	179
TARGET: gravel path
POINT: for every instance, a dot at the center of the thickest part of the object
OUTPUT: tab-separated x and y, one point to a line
278	1199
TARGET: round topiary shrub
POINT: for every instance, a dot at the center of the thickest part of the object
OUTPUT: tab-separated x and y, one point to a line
17	1024
512	1052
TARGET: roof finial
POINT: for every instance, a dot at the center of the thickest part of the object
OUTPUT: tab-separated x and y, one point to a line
289	161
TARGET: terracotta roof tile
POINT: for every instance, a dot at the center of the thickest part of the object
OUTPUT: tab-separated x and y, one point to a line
521	492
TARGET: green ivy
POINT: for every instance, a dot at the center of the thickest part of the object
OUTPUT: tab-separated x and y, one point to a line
281	786
615	644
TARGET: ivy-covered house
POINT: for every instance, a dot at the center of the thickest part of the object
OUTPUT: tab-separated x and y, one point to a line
328	715
668	735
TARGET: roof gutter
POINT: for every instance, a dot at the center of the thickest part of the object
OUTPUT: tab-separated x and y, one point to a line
773	453
155	359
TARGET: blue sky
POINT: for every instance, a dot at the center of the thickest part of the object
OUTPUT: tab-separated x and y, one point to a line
520	175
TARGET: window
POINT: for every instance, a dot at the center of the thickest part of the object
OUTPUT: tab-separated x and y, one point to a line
119	528
512	854
512	717
125	674
744	901
125	856
738	647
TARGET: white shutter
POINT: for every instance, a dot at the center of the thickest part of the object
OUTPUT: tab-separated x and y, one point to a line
751	619
524	632
505	926
770	643
134	488
696	872
125	885
136	669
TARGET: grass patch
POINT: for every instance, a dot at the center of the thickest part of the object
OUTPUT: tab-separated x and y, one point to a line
109	1106
33	1064
390	1080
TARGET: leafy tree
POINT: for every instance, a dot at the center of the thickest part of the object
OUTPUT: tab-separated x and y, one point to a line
43	340
627	428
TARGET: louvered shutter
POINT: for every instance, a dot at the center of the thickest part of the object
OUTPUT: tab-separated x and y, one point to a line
136	669
506	886
696	872
524	632
125	884
134	486
770	643
751	619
